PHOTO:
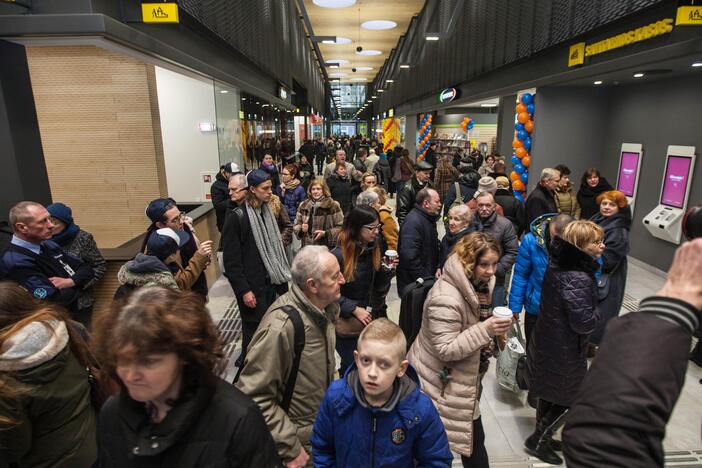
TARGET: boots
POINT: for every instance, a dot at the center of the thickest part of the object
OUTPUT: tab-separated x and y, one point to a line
541	444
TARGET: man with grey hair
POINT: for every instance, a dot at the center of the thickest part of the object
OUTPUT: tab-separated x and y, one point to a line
238	186
269	369
542	199
369	198
353	173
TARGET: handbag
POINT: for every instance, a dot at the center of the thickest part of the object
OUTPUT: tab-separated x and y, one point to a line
508	359
348	327
603	284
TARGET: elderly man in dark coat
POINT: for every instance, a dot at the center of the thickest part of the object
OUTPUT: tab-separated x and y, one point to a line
542	199
406	198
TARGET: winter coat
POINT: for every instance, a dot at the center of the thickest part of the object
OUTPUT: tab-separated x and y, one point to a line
306	175
340	189
567	201
513	209
406	168
539	202
362	290
143	271
217	426
291	199
502	230
619	416
468	184
407	197
268	363
56	417
383	173
219	191
484	170
530	268
451	336
372	161
430	157
272	171
404	433
322	215
282	219
418	248
444	176
587	198
84	247
390	230
614	264
449	241
568	314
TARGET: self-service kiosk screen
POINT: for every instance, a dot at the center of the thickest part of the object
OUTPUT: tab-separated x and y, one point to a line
677	171
628	165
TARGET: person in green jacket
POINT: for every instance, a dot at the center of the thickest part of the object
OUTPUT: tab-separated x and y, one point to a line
46	415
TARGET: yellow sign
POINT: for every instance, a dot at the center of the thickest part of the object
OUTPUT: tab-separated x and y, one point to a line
576	54
689	16
391	112
241	115
643	33
159	12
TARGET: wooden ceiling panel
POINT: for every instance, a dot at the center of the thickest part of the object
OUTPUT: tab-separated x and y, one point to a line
345	22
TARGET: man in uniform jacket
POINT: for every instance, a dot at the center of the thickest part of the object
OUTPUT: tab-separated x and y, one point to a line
541	200
39	264
406	199
219	192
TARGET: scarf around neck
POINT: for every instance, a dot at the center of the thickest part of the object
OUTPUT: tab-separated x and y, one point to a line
269	243
292	184
66	236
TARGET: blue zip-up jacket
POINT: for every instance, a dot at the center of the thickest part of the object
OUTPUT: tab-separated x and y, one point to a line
406	432
292	199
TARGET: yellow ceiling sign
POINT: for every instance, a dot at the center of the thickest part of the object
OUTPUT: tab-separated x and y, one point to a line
576	54
689	16
159	12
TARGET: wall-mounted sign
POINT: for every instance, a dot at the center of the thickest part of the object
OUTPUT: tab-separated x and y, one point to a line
578	52
159	12
206	127
282	93
391	112
241	115
448	95
689	16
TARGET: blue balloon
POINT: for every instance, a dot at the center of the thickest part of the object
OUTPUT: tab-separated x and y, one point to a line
470	124
519	126
519	168
530	109
527	143
525	177
515	160
518	196
522	135
527	99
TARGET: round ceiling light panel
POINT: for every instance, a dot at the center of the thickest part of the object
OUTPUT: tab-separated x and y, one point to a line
378	25
364	68
334	3
369	52
359	79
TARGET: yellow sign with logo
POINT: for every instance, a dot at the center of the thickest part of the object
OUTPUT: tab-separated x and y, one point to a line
689	16
578	52
159	12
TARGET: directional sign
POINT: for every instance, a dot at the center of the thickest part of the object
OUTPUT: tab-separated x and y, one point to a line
159	12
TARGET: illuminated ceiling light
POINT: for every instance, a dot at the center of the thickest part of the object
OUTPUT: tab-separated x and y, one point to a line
404	65
333	66
431	37
327	42
224	91
488	105
243	99
359	79
337	61
338	74
389	81
369	52
364	68
638	75
379	24
374	96
697	64
334	3
257	102
598	82
339	40
381	90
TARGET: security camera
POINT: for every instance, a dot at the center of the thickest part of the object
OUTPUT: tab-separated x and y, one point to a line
359	48
353	69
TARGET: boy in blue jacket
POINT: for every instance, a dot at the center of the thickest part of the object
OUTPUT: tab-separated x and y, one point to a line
376	415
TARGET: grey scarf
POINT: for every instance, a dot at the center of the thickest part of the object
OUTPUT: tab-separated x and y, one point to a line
269	243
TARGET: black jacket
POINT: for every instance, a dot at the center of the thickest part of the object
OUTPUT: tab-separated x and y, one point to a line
407	197
341	191
587	197
539	202
568	314
468	184
449	241
619	415
383	173
513	209
5	236
220	198
418	247
216	427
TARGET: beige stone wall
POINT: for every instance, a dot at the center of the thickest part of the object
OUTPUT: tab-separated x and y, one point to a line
100	131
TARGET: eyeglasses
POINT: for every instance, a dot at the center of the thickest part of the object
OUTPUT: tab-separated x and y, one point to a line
373	227
179	217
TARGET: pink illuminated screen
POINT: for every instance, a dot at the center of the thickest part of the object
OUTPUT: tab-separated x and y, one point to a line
628	167
677	172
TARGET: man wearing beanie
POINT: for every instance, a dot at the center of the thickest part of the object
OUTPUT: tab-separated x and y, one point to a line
513	209
489	185
254	255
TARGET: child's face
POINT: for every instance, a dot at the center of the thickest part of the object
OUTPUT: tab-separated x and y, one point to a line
378	363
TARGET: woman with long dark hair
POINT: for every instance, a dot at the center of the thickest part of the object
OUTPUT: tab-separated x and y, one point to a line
162	348
359	250
591	185
46	415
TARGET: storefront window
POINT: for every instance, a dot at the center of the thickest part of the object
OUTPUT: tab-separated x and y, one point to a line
227	106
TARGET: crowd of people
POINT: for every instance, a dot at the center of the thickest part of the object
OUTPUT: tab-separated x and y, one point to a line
310	245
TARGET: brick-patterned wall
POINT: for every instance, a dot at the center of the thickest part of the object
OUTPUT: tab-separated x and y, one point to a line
101	136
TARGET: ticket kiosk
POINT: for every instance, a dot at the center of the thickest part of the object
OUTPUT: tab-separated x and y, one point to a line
665	221
630	158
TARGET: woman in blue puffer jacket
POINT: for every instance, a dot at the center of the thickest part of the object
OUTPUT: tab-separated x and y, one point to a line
291	191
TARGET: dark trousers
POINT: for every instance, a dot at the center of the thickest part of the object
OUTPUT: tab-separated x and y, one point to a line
320	166
479	457
345	346
529	326
550	416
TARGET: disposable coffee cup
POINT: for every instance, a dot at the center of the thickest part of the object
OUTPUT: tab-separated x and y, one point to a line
502	312
390	257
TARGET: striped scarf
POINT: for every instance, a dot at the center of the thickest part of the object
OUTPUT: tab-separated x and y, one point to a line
485	306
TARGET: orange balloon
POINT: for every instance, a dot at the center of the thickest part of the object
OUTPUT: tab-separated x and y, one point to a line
523	117
526	161
514	176
517	144
520	108
521	152
529	126
518	185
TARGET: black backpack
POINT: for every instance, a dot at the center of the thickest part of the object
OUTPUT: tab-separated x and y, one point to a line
412	307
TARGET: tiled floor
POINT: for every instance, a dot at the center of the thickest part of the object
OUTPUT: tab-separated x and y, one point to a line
507	419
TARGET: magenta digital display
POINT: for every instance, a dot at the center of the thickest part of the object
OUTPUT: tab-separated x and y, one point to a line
677	172
628	166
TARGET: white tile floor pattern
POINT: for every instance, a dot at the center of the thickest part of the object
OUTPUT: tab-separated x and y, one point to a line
507	419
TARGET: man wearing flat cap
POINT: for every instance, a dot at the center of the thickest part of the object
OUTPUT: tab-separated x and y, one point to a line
254	254
406	199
